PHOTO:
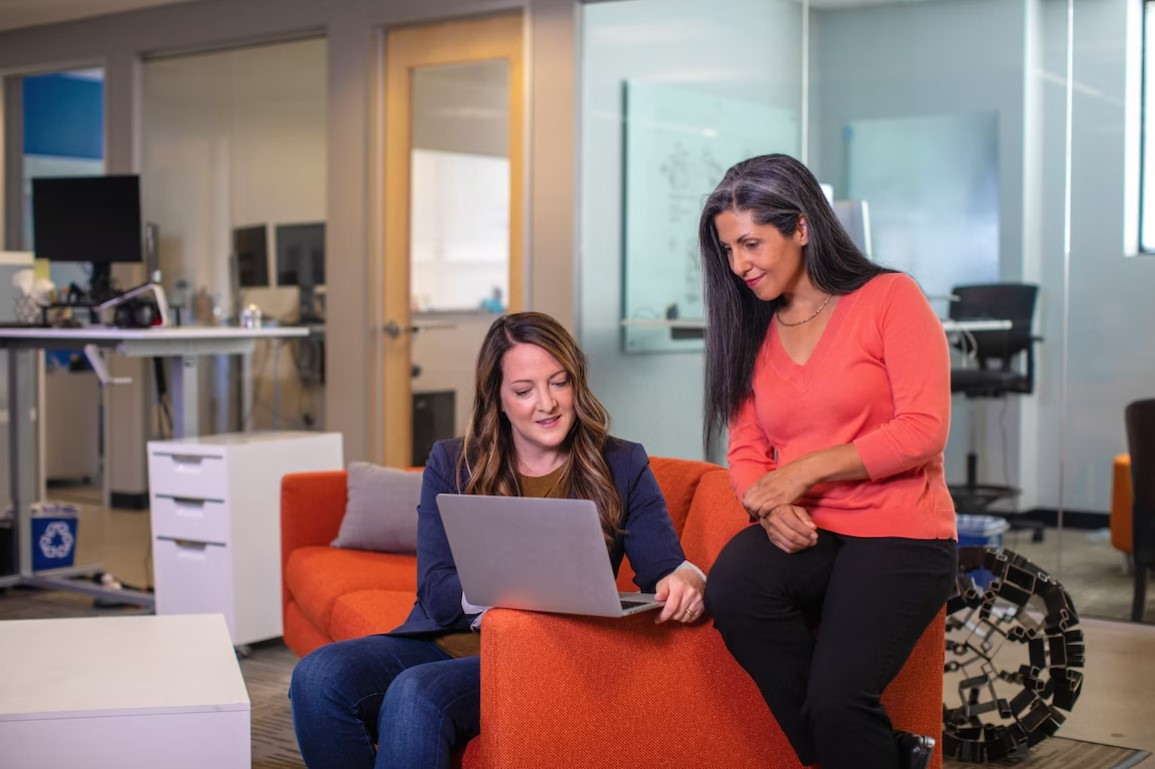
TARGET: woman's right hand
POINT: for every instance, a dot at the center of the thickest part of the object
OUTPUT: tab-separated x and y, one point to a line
790	529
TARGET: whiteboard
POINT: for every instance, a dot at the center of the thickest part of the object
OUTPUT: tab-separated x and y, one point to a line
678	143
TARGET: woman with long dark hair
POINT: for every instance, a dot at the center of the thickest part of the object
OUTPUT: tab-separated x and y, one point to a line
832	376
411	697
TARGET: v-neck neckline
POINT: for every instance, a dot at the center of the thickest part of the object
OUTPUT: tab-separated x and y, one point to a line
796	372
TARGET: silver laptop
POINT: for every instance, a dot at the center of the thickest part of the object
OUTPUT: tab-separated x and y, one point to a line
534	553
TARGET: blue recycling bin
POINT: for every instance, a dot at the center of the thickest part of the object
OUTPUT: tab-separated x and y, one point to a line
53	538
981	531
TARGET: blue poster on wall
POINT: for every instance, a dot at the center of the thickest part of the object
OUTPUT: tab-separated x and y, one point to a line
678	143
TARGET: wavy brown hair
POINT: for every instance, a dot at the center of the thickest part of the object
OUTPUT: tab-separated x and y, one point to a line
489	459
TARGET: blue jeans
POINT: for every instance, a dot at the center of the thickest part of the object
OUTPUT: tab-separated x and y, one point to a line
404	695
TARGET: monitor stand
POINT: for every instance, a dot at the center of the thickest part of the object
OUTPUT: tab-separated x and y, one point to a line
100	283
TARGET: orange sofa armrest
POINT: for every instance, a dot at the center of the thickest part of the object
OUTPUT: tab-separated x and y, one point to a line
312	506
558	690
914	699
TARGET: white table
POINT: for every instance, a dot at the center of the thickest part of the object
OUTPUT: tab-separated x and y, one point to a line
964	326
180	347
122	692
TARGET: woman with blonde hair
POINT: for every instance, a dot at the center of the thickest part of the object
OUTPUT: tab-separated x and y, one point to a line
411	697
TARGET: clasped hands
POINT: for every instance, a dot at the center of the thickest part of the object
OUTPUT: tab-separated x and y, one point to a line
771	499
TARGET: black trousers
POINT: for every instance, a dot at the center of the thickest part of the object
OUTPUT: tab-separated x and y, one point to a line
873	597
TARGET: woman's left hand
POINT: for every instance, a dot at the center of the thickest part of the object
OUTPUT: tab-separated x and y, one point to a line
682	591
783	486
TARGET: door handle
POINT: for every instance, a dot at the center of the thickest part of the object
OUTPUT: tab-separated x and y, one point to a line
393	330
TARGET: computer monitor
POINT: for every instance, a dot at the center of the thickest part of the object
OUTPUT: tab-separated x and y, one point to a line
301	263
301	254
251	247
88	219
855	218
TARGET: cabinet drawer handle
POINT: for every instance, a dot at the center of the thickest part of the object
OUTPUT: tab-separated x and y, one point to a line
191	547
189	502
189	463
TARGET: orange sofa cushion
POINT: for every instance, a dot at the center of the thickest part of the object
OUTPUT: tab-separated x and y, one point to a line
368	612
717	518
301	635
317	576
678	479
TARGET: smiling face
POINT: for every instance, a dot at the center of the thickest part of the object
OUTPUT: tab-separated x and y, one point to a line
769	262
537	398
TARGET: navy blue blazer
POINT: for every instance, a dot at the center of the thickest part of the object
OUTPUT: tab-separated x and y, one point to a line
649	539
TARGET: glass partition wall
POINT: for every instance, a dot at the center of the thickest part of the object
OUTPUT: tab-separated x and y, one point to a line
233	178
968	141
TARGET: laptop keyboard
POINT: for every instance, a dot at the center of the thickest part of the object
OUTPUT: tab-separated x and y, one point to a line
632	604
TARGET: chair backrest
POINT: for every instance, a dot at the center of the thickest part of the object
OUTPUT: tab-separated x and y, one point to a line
1002	301
1140	419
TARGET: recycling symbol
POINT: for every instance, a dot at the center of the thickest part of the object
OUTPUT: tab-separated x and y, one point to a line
57	540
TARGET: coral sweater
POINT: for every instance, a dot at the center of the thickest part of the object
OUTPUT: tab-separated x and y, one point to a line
879	379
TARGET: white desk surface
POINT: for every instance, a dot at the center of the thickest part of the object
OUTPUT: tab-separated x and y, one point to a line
174	333
113	666
957	326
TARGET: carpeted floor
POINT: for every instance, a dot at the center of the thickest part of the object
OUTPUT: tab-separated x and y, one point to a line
267	668
266	671
1061	753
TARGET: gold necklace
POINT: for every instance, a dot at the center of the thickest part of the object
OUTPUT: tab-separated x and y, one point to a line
821	307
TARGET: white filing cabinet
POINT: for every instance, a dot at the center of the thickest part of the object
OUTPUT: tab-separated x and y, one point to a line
216	523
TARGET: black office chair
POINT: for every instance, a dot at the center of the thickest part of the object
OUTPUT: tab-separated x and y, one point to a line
1140	419
1002	364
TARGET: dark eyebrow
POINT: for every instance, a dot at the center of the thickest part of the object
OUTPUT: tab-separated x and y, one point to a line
530	381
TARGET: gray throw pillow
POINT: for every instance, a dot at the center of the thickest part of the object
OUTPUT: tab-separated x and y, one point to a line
381	513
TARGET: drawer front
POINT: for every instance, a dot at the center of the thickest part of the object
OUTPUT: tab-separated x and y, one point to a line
201	520
187	475
192	578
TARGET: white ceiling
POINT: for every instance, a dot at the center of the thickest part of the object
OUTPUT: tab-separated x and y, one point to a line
29	13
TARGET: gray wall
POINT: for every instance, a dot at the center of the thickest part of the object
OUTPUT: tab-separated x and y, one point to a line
1110	347
1010	57
353	30
656	398
929	59
879	61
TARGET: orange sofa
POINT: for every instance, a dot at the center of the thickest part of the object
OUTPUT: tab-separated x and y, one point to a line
577	691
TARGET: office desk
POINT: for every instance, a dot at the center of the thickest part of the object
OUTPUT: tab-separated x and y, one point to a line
963	326
180	347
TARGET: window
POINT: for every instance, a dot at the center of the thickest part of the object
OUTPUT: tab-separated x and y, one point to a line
1147	138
